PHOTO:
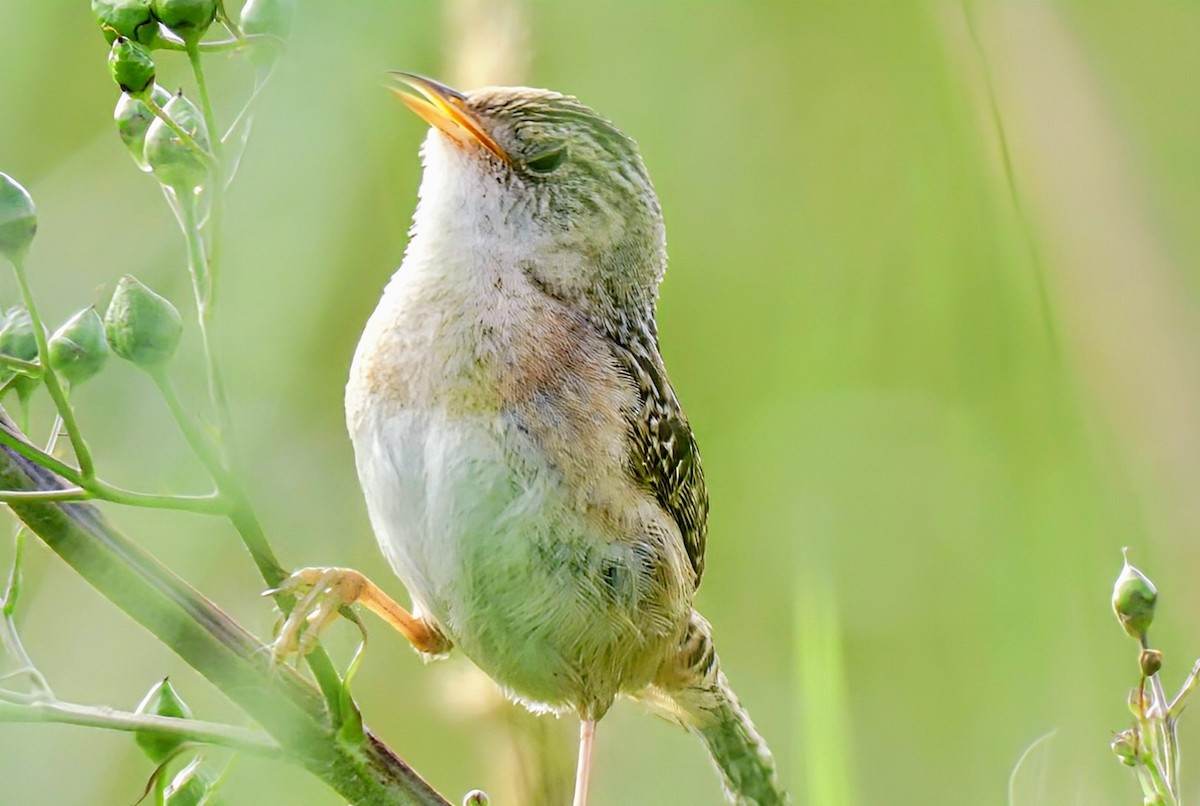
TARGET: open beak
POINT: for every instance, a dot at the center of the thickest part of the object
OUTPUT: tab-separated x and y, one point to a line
444	108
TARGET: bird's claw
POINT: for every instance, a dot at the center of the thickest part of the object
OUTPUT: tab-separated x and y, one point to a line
321	593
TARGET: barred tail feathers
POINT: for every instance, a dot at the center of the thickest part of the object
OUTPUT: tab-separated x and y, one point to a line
696	694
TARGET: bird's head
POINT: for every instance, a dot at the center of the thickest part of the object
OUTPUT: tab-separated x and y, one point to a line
538	180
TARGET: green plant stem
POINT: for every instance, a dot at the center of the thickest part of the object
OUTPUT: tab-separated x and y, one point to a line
282	702
199	267
181	133
31	368
1010	178
36	454
189	730
86	469
241	515
255	539
65	494
206	304
217	190
210	504
1185	692
96	488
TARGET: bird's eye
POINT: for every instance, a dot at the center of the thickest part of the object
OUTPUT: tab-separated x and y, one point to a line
548	161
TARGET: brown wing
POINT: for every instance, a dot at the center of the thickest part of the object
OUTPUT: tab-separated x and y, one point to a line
664	457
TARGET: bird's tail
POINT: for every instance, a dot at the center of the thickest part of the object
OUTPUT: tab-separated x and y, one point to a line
694	692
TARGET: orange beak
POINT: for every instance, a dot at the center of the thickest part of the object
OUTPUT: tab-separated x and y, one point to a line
445	109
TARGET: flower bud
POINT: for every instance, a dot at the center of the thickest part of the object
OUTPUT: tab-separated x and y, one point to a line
161	700
188	19
1134	597
189	787
133	119
17	339
267	18
128	18
18	219
1150	661
174	162
142	327
1124	745
132	66
78	349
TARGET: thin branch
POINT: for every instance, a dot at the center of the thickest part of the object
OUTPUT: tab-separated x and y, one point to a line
35	454
189	730
31	368
357	766
50	377
65	494
209	504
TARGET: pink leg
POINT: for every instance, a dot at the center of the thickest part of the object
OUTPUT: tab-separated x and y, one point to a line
587	731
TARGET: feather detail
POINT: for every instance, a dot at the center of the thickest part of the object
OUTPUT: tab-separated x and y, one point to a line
693	691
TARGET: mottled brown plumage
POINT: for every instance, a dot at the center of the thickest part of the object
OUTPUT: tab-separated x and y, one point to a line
529	472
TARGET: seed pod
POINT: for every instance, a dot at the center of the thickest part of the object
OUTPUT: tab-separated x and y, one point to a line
18	341
133	119
267	18
18	219
1124	745
189	787
270	17
142	327
131	65
174	162
188	19
1150	661
128	18
78	349
1134	598
161	700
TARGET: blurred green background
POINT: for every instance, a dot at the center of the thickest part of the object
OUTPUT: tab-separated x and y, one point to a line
940	370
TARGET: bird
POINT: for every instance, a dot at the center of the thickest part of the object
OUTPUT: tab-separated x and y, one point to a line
527	468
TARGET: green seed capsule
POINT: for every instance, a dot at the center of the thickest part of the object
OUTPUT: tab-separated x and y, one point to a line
1134	598
161	700
142	327
128	18
271	18
132	66
174	162
17	340
1150	662
1124	746
133	119
16	335
18	219
188	19
78	349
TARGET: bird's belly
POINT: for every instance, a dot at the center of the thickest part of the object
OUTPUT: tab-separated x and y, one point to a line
494	549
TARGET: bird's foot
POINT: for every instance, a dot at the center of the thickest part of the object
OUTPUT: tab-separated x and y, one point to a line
323	592
320	593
